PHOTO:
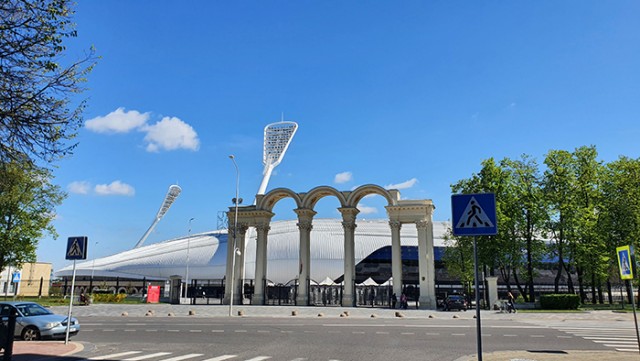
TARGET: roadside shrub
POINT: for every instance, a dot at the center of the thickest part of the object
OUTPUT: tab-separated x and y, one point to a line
560	302
109	298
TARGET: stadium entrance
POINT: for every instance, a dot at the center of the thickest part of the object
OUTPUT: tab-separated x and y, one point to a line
400	212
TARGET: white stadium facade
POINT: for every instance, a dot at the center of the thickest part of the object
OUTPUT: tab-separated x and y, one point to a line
207	253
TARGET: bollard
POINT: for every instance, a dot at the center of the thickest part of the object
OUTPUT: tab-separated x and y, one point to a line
11	329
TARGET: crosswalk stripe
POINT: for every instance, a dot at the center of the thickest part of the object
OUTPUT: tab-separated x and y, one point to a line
151	355
220	358
627	349
299	359
107	357
183	357
259	358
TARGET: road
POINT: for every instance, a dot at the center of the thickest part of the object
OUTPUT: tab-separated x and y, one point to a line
281	338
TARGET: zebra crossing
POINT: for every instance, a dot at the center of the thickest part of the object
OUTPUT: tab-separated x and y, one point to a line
620	339
169	356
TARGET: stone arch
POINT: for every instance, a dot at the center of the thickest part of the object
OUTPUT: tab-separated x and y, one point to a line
310	199
356	195
269	200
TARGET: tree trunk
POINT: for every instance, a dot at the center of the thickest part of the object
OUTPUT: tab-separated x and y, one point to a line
593	288
522	290
556	282
609	292
530	260
569	278
583	295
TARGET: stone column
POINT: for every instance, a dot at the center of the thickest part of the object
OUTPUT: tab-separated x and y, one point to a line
396	257
261	264
238	283
349	227
305	224
426	265
492	288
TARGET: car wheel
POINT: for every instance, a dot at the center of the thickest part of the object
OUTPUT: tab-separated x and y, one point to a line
30	333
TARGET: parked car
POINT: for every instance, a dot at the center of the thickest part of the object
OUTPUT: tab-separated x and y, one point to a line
34	322
455	302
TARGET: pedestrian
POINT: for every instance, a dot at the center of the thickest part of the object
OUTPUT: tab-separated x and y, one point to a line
511	304
394	300
372	297
403	301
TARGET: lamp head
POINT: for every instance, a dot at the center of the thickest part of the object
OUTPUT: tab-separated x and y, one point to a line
231	156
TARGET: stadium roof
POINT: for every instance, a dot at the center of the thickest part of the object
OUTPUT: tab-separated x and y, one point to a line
207	252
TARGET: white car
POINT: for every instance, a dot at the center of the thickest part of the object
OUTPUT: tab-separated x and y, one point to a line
35	322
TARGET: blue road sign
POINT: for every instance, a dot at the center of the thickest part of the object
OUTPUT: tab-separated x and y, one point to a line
77	248
474	214
15	277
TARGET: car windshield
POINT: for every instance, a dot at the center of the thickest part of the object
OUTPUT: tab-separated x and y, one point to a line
32	310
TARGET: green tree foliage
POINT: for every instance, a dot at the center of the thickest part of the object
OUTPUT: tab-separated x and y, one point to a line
584	207
27	202
37	119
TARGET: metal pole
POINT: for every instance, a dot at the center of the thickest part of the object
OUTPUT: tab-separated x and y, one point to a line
635	318
73	283
186	283
478	323
235	234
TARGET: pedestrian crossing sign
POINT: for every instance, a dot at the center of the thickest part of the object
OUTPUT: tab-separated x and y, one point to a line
625	262
76	248
474	214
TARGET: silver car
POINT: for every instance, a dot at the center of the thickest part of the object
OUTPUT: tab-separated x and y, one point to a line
35	322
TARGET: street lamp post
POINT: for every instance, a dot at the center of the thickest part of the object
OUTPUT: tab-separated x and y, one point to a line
93	267
186	285
236	251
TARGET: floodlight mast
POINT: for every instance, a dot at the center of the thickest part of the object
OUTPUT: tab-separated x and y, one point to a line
277	137
172	194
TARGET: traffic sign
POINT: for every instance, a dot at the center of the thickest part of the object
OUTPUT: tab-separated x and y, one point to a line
625	262
474	214
77	248
15	277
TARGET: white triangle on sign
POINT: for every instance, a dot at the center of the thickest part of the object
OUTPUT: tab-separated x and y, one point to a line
474	216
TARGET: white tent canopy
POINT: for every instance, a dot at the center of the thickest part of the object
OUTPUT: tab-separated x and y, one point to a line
388	282
327	282
368	282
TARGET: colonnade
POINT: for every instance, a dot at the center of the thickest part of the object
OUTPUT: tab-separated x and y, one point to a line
400	212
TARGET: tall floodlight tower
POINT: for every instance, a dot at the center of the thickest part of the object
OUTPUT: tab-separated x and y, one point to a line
277	137
172	194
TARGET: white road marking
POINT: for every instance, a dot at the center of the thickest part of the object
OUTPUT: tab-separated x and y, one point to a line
183	357
144	357
220	358
108	357
259	358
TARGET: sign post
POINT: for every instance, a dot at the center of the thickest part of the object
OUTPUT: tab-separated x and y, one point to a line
626	264
76	249
475	215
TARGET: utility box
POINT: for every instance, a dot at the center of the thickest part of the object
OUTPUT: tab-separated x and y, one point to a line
153	294
176	289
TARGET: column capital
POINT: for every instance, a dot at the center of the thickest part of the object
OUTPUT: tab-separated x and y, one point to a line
305	225
263	227
422	224
395	225
349	213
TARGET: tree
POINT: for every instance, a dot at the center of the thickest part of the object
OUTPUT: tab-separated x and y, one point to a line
37	120
528	210
558	188
27	202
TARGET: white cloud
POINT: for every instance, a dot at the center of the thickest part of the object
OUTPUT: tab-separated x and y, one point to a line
118	121
404	185
115	188
366	209
343	177
79	187
171	133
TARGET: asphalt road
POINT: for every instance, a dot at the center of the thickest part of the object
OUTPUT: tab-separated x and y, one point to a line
256	339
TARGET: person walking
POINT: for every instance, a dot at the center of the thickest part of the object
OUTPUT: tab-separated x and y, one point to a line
511	304
403	301
394	300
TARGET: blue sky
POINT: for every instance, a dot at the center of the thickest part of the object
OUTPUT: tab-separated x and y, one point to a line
411	94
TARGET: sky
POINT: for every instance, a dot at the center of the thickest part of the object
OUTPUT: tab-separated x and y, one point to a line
411	95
